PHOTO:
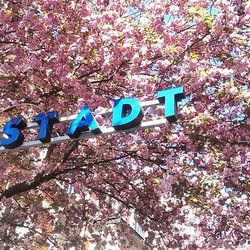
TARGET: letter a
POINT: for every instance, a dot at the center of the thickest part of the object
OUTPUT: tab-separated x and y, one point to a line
85	121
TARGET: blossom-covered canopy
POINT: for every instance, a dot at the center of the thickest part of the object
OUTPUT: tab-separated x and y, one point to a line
187	182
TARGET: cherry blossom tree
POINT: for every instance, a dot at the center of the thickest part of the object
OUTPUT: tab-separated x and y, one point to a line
186	182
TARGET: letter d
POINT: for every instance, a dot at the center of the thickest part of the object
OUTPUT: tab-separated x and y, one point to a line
127	113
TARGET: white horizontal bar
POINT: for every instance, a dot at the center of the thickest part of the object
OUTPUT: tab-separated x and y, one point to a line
105	131
64	119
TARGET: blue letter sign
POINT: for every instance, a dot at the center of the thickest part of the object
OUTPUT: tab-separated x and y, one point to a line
127	113
46	122
12	129
85	121
170	97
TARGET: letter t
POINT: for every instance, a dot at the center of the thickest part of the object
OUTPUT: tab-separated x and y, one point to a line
171	97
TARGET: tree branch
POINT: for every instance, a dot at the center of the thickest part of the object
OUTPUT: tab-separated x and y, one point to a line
41	178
